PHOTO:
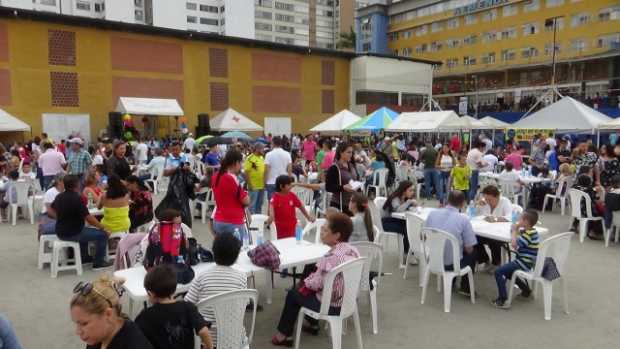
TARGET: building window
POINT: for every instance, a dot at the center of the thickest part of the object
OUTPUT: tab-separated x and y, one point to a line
287	41
138	3
509	33
367	46
508	55
222	9
453	23
48	2
468	60
549	49
139	15
81	5
470	19
578	45
607	14
421	48
208	21
453	43
609	41
436	26
264	3
489	58
510	10
99	7
580	19
470	40
285	18
531	5
263	26
285	29
489	15
452	62
407	51
206	8
529	52
489	36
422	30
192	19
436	46
263	14
284	6
559	24
377	98
530	29
554	3
191	6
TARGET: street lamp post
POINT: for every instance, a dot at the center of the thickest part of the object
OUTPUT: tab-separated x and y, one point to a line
476	94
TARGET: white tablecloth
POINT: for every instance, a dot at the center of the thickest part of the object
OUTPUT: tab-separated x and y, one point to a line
524	179
291	254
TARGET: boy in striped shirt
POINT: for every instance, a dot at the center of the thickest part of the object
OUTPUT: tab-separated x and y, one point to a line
525	240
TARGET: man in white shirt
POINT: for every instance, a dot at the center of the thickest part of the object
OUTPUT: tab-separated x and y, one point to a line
495	208
277	162
51	163
488	144
551	142
475	163
490	161
189	143
142	152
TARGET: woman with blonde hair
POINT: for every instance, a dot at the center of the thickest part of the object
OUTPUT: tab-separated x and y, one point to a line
99	321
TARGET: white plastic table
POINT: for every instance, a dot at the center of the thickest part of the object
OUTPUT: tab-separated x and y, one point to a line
291	254
524	179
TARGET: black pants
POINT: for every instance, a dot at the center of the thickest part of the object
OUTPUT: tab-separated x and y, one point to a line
294	302
494	246
468	259
396	225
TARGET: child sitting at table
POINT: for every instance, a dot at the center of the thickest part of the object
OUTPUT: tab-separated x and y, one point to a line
525	240
169	323
509	174
362	219
460	174
282	208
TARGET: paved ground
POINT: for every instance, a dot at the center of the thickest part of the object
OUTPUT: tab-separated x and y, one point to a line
38	305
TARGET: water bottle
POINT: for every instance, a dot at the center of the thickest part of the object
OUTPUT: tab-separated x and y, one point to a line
298	233
259	239
471	210
515	217
180	259
91	200
236	234
246	240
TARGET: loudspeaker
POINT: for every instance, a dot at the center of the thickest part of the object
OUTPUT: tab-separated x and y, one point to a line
115	125
201	131
203	120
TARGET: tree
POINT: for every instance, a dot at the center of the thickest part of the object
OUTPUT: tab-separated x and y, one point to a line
347	40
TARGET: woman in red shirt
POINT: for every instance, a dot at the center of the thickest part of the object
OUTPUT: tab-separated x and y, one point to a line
230	198
282	208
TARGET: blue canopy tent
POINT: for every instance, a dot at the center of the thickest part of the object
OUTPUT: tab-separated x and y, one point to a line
375	121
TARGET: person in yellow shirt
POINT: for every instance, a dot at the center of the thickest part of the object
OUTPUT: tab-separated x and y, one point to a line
460	174
254	168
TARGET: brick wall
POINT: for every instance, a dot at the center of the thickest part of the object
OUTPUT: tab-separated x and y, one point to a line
145	55
5	87
328	73
61	47
219	96
327	101
4	43
276	99
268	66
218	62
64	87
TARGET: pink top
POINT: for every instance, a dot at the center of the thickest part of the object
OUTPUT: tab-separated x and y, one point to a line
51	162
328	160
516	159
339	254
309	148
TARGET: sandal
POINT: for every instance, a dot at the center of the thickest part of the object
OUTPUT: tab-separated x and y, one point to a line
282	343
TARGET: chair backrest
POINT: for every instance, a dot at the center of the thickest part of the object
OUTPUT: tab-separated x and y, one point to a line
382	173
615	218
375	211
516	208
508	188
437	241
21	188
304	195
576	196
555	247
316	227
560	189
415	227
257	226
229	309
373	252
402	173
351	272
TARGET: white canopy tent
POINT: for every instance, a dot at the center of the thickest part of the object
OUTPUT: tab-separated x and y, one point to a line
9	123
612	125
149	106
492	123
232	120
430	121
565	115
337	122
465	122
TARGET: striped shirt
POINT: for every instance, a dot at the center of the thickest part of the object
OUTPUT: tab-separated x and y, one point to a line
339	254
214	281
527	249
79	162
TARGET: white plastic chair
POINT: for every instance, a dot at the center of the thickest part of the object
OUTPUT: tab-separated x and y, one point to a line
562	187
23	200
351	272
46	243
557	248
373	253
575	204
305	195
415	232
380	238
509	190
257	226
229	309
437	241
516	208
114	236
204	205
615	227
57	247
157	175
379	182
316	227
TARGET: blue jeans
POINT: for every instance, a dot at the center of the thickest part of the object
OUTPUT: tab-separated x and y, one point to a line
46	181
256	201
8	338
503	274
271	189
473	184
221	227
431	177
444	178
90	234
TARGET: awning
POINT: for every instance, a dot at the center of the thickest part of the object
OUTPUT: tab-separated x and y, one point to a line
337	122
9	123
565	115
232	120
430	121
149	106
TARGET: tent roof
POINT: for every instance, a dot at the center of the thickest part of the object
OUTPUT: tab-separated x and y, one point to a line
378	120
149	106
232	120
430	121
493	123
566	115
10	123
337	122
612	125
465	122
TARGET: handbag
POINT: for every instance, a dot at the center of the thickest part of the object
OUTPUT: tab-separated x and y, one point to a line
550	270
266	256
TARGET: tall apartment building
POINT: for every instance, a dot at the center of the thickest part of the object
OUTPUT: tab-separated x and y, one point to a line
500	51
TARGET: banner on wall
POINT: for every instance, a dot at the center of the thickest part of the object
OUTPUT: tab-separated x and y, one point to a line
526	134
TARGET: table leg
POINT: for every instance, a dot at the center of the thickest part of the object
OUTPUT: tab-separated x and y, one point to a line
268	285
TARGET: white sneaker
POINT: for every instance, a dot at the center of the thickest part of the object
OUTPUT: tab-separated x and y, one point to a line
413	261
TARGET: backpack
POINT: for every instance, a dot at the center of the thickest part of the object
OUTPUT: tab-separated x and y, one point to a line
168	244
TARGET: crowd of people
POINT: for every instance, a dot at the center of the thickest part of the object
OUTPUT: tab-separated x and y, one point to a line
91	193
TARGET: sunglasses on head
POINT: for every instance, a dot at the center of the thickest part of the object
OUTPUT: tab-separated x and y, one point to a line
85	288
